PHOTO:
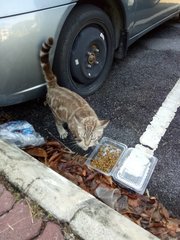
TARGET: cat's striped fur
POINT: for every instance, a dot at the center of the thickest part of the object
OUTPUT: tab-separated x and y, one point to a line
68	107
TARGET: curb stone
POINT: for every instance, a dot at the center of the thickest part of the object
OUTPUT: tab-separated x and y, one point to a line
87	216
20	221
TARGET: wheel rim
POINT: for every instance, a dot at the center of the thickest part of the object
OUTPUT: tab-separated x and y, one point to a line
88	55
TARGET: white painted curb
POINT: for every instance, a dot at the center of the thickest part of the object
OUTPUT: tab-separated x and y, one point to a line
87	216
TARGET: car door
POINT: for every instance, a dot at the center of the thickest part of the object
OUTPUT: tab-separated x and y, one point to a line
151	12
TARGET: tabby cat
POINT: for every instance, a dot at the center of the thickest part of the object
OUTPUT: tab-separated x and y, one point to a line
68	107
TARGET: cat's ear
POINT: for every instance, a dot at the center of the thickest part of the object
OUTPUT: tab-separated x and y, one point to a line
104	123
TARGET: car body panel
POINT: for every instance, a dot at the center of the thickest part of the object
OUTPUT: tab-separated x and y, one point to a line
16	7
134	37
21	37
150	12
141	15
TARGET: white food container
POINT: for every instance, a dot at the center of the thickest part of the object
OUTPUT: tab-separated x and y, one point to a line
132	170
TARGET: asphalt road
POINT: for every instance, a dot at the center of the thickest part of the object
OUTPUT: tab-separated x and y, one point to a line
130	97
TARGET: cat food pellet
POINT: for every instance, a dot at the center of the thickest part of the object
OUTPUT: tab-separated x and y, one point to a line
106	158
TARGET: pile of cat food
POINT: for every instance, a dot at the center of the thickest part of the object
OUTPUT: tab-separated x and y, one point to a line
106	158
144	210
106	155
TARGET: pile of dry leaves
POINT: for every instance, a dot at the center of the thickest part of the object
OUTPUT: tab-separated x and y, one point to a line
144	210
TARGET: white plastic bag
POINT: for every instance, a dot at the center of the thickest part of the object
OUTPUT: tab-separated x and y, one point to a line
21	133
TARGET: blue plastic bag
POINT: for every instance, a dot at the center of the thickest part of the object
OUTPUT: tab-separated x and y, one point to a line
20	133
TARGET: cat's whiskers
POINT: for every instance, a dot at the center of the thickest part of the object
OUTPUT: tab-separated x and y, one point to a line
75	148
52	135
72	142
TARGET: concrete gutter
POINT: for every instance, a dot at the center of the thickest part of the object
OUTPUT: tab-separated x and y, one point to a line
88	217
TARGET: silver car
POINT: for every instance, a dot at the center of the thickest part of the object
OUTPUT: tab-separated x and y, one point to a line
88	34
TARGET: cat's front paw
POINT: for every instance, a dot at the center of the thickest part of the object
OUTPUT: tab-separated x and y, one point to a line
63	134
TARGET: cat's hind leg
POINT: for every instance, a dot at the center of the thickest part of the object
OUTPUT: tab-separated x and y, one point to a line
62	132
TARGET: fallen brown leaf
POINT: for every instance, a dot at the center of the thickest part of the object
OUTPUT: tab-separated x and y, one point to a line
156	216
37	152
54	157
134	202
163	211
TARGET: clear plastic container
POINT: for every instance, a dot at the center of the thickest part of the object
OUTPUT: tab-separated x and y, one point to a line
134	169
115	150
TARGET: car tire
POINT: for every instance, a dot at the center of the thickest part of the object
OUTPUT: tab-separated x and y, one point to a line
85	50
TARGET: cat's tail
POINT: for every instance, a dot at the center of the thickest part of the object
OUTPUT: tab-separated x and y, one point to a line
45	63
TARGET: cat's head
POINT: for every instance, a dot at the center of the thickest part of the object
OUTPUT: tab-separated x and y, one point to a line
89	131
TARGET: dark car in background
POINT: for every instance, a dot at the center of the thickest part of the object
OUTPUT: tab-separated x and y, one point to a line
88	34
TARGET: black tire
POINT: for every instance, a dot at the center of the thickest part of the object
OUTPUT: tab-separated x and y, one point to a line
85	50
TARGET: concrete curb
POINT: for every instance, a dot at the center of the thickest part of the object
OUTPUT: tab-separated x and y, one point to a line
87	216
